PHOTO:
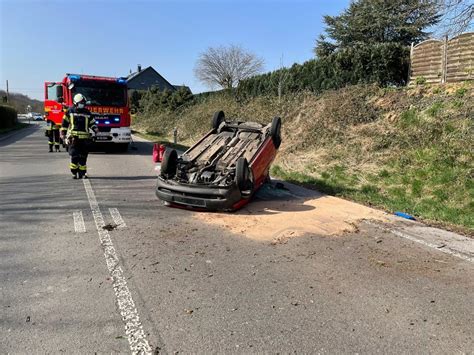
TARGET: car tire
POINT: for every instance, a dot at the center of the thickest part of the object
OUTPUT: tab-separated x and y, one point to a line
217	119
169	164
275	131
243	177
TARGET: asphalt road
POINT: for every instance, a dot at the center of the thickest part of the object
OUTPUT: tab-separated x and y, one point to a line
166	280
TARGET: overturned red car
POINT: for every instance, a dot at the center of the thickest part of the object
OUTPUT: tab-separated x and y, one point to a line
224	169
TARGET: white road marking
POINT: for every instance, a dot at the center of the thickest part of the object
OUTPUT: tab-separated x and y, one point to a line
442	248
133	327
79	225
118	220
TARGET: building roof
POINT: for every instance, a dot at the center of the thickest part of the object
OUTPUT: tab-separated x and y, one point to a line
149	71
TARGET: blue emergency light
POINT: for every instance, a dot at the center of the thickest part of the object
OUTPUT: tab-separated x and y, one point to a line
121	80
74	77
107	122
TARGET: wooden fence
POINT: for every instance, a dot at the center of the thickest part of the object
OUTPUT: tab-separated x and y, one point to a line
441	61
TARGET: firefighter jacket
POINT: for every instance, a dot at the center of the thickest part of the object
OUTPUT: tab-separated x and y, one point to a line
77	122
53	126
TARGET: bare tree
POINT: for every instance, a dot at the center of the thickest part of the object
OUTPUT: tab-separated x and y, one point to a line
226	66
457	16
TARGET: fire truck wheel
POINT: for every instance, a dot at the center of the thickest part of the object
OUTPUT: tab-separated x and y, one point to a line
169	164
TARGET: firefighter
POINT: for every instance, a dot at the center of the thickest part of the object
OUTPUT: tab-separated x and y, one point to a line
52	133
77	121
63	131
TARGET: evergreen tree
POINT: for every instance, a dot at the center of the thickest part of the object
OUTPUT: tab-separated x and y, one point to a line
378	21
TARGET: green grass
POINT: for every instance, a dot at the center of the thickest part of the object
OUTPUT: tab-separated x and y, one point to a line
158	138
18	126
430	189
409	118
460	92
435	109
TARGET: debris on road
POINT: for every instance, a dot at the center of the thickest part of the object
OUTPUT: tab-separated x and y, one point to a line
281	239
405	215
110	227
276	213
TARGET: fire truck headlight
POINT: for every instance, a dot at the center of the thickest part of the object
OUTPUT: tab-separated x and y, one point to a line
107	122
116	119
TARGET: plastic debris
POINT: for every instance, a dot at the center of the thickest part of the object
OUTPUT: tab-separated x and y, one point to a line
405	215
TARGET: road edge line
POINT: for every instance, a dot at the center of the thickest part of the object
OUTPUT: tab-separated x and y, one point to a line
446	250
133	326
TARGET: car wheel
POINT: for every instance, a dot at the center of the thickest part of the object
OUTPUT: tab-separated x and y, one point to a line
243	177
275	131
217	119
169	164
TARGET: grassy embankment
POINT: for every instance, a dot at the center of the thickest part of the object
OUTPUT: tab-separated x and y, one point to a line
408	149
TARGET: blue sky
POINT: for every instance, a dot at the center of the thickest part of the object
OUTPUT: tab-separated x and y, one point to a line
42	40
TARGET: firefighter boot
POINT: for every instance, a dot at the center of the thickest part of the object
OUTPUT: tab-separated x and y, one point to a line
57	148
74	170
50	148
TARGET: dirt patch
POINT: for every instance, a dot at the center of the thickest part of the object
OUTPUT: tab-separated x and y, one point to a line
277	215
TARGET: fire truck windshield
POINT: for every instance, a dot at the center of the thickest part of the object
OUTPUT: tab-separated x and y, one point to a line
99	93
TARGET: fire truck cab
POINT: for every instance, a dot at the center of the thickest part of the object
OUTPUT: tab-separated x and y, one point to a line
106	98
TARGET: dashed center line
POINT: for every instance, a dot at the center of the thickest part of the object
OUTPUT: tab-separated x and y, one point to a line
118	220
133	326
79	226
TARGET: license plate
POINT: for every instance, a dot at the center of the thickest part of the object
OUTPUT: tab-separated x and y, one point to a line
102	138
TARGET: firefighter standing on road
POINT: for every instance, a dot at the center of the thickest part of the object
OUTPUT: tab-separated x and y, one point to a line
77	121
53	136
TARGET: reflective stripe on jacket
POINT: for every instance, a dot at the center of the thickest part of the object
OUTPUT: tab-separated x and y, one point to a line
77	122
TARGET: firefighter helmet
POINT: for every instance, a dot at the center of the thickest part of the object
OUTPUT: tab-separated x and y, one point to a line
79	100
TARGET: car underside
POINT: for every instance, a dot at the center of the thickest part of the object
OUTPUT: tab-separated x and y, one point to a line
217	172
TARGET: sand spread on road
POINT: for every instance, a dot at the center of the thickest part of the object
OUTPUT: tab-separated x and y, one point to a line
277	215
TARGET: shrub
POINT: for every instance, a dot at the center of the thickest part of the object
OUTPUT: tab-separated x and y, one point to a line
381	63
154	100
8	116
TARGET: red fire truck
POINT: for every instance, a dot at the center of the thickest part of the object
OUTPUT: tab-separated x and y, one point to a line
106	98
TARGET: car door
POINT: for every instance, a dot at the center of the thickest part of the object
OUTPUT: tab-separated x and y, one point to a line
53	98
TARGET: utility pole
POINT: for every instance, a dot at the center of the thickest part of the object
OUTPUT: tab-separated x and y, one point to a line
8	94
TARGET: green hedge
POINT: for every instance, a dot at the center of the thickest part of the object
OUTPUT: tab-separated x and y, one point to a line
8	116
381	63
